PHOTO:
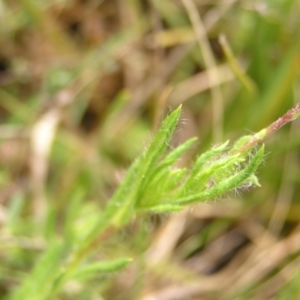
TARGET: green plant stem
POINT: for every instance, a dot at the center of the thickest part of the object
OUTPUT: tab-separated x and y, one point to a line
79	256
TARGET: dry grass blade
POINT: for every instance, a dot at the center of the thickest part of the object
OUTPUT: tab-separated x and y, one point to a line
217	99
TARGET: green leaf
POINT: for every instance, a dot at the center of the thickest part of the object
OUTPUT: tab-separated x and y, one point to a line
162	208
120	208
108	266
228	184
38	284
162	187
162	174
217	170
175	154
126	201
203	158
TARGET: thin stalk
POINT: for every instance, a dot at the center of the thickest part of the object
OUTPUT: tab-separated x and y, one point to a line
217	99
258	137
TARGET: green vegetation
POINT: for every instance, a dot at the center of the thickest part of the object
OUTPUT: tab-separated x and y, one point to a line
120	175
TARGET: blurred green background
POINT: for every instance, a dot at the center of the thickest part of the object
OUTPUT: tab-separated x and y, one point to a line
84	86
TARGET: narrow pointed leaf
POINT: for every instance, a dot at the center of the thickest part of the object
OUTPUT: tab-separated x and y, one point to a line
228	184
102	267
146	164
163	208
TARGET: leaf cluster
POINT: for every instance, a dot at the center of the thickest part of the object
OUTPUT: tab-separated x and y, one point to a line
153	184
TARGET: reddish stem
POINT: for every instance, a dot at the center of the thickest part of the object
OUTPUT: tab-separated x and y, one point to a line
289	116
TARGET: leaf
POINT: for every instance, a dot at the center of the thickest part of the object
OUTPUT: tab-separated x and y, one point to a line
199	164
203	158
121	207
163	186
38	284
108	266
228	184
140	176
161	173
162	208
174	155
218	169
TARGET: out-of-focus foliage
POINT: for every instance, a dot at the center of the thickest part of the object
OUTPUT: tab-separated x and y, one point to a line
84	86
